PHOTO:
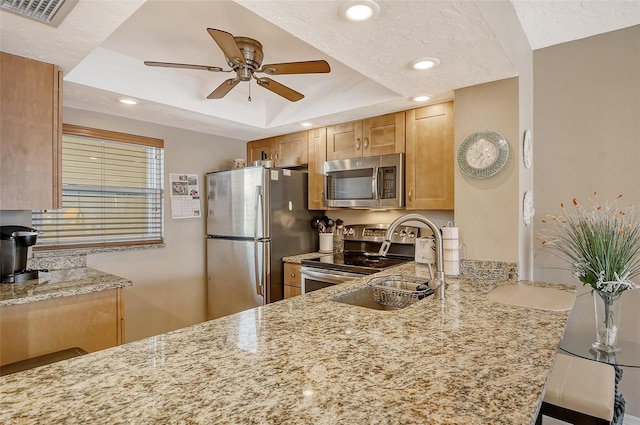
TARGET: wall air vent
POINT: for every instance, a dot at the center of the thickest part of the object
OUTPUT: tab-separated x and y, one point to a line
50	12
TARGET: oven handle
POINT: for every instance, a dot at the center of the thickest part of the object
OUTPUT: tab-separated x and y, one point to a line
338	277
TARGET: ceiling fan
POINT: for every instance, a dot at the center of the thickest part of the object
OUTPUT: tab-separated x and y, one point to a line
244	56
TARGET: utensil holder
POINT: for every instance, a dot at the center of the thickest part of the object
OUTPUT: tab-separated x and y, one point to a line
326	242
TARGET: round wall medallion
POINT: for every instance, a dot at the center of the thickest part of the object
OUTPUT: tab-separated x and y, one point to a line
527	149
527	208
482	154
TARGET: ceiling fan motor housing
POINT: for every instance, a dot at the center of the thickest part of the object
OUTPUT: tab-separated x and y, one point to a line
252	52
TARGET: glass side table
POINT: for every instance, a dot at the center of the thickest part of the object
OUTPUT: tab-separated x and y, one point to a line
628	356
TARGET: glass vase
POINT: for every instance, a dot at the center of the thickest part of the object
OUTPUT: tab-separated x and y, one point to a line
608	311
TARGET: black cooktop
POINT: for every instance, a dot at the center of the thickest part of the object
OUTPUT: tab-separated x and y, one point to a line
354	262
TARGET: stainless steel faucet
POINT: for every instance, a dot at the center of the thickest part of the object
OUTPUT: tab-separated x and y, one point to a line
437	282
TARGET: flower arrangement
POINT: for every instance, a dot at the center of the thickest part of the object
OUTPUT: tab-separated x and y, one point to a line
601	242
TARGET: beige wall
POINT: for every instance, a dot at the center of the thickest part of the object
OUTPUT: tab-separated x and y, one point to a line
487	210
586	139
169	284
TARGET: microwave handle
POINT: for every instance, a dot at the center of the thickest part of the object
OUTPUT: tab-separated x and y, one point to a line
375	183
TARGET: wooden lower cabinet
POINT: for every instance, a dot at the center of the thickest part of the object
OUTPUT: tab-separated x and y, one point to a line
292	284
92	322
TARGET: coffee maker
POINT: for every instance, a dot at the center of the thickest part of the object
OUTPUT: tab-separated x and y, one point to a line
14	247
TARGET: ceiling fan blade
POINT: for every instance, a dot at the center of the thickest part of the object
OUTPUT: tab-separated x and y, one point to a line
279	89
223	88
309	67
183	65
227	44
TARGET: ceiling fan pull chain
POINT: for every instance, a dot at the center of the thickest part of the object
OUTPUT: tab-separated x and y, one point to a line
249	99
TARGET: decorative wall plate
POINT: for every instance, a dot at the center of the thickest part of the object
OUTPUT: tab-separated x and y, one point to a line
527	208
527	149
483	154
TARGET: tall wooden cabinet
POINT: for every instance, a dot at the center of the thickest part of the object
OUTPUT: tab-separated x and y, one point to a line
317	156
30	134
379	135
430	158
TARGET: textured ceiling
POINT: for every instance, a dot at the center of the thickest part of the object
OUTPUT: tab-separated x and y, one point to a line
102	44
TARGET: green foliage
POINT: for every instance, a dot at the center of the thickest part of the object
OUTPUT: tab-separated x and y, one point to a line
602	243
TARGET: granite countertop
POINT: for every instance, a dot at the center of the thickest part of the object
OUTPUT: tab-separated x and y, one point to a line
297	259
309	360
59	283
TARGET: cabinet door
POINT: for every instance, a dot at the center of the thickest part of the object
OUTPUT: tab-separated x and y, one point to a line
89	321
344	140
430	158
292	284
30	134
383	135
255	149
317	156
291	149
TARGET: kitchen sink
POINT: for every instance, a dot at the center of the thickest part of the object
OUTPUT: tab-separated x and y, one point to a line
387	293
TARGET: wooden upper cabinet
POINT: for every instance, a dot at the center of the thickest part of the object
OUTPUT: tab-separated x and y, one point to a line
383	135
292	150
255	149
344	140
380	135
317	156
30	134
430	158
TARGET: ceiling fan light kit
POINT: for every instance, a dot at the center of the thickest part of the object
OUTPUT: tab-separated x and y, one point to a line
244	57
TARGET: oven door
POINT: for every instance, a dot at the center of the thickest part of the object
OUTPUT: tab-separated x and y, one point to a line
313	278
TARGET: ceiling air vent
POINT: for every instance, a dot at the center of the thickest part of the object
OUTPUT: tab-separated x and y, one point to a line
50	12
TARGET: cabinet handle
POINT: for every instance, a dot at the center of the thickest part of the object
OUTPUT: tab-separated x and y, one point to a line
293	275
410	193
358	144
276	156
366	143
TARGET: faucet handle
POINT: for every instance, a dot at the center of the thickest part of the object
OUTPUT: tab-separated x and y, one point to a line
384	248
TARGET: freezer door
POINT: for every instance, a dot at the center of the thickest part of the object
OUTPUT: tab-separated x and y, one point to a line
236	203
237	275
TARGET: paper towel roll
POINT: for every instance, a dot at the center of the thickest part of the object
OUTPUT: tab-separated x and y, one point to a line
451	246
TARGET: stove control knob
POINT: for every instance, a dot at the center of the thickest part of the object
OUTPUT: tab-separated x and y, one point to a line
403	234
412	235
351	231
395	234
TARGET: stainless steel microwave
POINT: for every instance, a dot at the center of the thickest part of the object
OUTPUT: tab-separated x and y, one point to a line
368	182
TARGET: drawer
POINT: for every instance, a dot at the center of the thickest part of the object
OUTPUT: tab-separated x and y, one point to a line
292	274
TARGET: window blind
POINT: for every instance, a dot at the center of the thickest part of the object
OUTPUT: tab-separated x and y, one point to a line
112	191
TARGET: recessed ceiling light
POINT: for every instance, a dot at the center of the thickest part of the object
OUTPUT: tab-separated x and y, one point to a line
128	100
306	124
422	97
425	63
359	10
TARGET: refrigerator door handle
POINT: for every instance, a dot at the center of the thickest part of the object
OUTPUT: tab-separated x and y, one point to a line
256	259
259	212
261	272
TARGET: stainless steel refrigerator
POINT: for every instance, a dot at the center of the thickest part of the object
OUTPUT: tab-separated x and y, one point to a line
255	216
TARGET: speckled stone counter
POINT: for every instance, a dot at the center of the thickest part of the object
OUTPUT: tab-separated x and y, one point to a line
296	259
310	360
59	283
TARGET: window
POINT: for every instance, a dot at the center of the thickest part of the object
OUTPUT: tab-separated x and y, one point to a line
111	191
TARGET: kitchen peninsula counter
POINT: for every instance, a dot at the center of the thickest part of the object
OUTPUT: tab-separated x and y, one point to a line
310	360
59	283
